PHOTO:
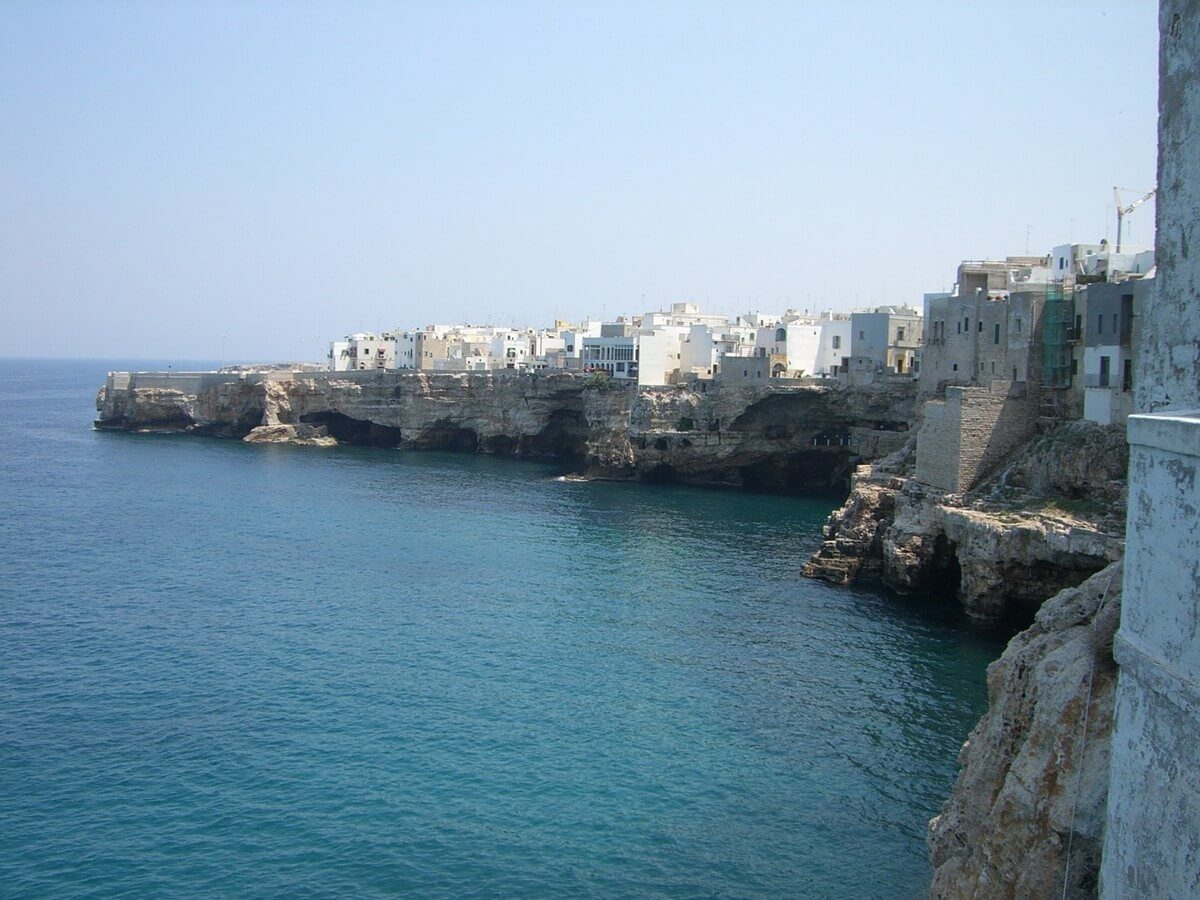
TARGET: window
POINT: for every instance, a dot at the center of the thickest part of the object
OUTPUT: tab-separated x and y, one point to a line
1078	323
967	324
954	367
980	326
1105	364
1127	376
780	334
1018	324
620	367
862	335
899	334
959	329
570	348
1116	323
993	368
1014	373
996	333
1074	366
837	342
1100	324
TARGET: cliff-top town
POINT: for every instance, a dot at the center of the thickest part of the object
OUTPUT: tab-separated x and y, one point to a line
893	600
1063	319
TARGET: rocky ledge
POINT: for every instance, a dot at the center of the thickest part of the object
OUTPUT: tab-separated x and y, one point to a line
302	435
1047	520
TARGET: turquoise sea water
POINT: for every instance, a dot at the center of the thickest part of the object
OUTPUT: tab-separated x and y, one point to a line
255	670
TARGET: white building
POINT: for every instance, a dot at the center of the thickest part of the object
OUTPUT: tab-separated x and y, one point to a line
618	356
512	349
362	350
660	354
833	354
339	356
682	315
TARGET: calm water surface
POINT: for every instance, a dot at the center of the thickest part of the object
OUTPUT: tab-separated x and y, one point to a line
235	669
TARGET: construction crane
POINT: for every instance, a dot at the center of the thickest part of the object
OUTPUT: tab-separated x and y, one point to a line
1123	211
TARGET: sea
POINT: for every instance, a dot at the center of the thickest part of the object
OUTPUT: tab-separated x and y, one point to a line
253	670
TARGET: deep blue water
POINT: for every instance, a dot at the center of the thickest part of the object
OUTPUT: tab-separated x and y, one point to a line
234	669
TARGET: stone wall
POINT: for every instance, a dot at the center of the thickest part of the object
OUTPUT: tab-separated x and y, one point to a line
1168	369
967	435
1152	836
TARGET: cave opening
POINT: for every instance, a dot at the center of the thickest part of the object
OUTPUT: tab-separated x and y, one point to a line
804	472
354	431
565	436
445	435
661	474
945	573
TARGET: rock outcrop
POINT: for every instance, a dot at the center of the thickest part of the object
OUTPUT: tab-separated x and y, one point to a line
302	435
792	437
1049	519
1026	815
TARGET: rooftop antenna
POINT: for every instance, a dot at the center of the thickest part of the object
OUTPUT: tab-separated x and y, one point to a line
1123	211
1028	230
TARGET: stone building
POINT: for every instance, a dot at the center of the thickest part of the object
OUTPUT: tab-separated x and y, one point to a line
988	331
885	339
1107	313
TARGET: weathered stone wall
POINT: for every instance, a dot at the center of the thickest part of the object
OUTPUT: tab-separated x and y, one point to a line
1152	838
1153	843
1168	367
964	437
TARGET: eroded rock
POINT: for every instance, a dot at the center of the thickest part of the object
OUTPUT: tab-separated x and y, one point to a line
1033	775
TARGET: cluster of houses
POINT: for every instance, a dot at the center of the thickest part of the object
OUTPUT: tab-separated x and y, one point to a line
1060	324
658	348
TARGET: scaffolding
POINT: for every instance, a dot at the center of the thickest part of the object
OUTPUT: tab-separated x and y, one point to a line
1058	336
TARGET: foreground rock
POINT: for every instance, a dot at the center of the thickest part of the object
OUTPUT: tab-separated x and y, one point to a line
1033	779
301	435
1049	519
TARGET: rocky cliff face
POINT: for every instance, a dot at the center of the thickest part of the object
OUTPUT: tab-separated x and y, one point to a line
798	438
1027	812
1050	518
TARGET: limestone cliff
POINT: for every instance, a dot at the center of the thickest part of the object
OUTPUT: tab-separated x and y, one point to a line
1049	519
797	437
1033	779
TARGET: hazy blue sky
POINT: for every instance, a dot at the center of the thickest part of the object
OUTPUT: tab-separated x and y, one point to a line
282	172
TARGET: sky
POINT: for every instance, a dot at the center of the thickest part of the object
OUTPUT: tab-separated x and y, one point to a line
247	181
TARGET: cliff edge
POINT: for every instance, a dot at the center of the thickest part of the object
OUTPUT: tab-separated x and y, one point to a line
794	436
1026	816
